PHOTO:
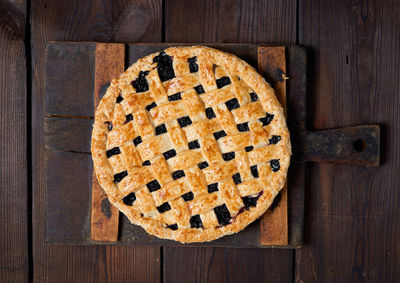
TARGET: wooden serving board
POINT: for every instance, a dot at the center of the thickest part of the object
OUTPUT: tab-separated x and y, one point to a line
77	209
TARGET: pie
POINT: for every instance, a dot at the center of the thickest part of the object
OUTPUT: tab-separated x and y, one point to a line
191	144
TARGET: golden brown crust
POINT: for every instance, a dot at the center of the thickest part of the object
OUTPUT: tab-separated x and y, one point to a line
237	180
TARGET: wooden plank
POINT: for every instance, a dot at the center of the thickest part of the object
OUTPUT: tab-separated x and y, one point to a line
274	223
353	211
14	260
71	188
229	21
68	61
227	265
110	62
75	21
68	135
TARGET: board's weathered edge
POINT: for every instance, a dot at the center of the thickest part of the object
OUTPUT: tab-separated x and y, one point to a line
130	234
109	63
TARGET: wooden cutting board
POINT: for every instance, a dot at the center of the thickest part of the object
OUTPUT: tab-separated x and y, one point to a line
77	209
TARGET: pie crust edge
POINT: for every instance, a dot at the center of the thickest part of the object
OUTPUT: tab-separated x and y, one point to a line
104	171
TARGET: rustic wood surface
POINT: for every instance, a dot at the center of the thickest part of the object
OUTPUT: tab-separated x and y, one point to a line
14	258
352	223
353	212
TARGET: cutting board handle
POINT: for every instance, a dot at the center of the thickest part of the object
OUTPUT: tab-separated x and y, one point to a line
352	145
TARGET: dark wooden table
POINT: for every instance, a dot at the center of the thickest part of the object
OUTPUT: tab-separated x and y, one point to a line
352	212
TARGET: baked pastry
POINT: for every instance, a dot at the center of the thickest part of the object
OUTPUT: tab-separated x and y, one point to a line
191	144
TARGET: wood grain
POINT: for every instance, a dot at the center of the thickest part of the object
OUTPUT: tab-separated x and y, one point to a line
109	63
274	223
68	135
230	21
79	21
227	265
14	259
227	21
353	211
71	188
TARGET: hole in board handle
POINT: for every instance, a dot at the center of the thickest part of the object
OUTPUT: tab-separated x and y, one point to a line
359	145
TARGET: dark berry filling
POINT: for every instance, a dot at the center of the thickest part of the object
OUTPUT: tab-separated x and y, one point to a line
188	196
119	98
119	176
267	119
137	140
109	126
173	227
220	134
169	154
275	165
178	174
161	129
212	187
236	178
253	97
274	139
128	118
184	121
195	221
228	156
199	89
232	104
210	113
146	163
251	201
221	82
140	83
194	144
254	171
164	67
244	127
164	207
175	97
223	215
249	148
129	199
151	106
153	186
113	151
203	165
193	67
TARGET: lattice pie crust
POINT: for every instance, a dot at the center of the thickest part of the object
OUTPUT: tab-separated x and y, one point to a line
191	144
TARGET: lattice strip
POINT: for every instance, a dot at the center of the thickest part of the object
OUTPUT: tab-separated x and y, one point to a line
226	120
204	203
143	124
219	171
167	112
160	170
230	195
210	149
